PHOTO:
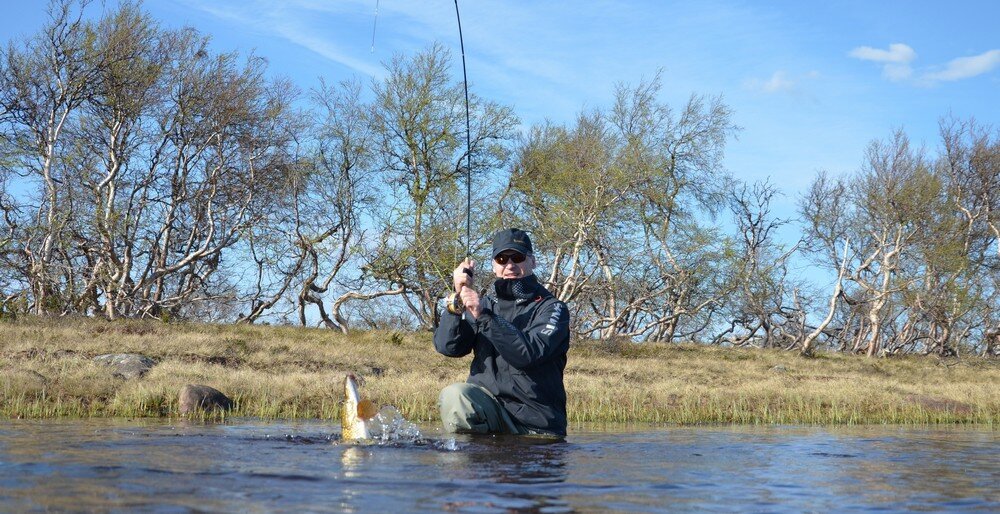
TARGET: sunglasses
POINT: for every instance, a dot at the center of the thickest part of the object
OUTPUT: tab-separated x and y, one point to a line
502	259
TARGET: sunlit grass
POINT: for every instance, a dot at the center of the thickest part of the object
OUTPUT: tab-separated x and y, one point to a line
46	370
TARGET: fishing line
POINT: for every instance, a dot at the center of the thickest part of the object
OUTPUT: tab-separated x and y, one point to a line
374	24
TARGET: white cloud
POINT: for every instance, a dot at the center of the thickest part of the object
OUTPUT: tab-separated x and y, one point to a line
895	61
897	53
285	23
967	67
778	82
896	64
322	45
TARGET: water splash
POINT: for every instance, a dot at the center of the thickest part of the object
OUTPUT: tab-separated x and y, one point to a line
389	426
450	445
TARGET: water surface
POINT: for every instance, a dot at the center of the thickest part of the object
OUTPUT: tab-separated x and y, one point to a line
254	466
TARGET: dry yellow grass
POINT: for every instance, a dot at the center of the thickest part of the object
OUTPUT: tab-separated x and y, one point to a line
46	370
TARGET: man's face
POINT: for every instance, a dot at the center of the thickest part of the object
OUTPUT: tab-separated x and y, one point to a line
510	267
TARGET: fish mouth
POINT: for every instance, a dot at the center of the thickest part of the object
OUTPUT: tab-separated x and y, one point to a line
351	393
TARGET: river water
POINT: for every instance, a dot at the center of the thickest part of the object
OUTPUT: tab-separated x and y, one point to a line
249	465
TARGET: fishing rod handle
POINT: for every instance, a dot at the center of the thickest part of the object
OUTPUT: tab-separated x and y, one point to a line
454	300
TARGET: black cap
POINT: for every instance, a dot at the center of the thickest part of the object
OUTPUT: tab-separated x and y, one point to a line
511	239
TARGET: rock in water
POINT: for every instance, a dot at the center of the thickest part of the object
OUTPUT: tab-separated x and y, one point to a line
126	365
194	397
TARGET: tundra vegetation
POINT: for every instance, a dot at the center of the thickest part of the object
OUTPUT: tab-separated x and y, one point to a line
47	369
145	174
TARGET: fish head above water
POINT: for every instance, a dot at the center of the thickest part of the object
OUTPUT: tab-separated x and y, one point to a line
355	411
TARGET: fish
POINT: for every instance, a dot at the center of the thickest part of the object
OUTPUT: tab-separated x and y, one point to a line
355	412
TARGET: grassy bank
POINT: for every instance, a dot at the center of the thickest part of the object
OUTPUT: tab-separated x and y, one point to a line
46	370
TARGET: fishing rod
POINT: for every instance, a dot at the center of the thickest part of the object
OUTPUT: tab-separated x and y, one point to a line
468	144
454	301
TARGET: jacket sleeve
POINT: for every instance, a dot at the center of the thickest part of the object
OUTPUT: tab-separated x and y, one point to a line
547	336
454	336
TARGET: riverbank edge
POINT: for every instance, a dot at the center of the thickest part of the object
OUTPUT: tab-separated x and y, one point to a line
48	370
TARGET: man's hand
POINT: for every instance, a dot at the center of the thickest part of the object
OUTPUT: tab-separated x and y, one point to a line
462	276
470	299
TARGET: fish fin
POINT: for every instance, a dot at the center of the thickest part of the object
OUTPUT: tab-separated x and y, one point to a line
367	409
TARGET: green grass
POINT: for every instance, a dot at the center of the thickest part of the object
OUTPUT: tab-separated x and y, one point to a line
46	370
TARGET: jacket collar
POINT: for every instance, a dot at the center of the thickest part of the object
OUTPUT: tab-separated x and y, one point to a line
524	288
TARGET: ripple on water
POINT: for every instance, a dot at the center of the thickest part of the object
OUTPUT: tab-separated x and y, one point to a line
252	465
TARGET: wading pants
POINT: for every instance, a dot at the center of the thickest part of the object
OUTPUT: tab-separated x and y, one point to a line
470	408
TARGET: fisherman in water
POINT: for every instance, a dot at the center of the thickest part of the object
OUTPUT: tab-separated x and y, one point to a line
519	336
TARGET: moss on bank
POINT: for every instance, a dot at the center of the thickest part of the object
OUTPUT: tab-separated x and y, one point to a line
46	370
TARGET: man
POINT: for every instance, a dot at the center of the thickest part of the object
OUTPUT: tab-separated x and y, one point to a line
519	336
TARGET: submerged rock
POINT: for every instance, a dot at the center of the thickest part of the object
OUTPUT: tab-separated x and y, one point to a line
202	397
126	365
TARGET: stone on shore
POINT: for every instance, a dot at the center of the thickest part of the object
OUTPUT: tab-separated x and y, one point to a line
940	404
126	365
26	379
202	397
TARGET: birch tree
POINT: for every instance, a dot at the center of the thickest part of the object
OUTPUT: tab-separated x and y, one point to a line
44	81
613	199
418	126
150	155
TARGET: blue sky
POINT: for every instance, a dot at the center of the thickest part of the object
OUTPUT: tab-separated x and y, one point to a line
811	83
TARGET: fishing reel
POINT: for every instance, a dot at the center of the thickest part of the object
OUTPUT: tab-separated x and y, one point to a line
453	302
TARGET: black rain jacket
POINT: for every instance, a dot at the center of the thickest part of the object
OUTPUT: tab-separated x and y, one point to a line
519	350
